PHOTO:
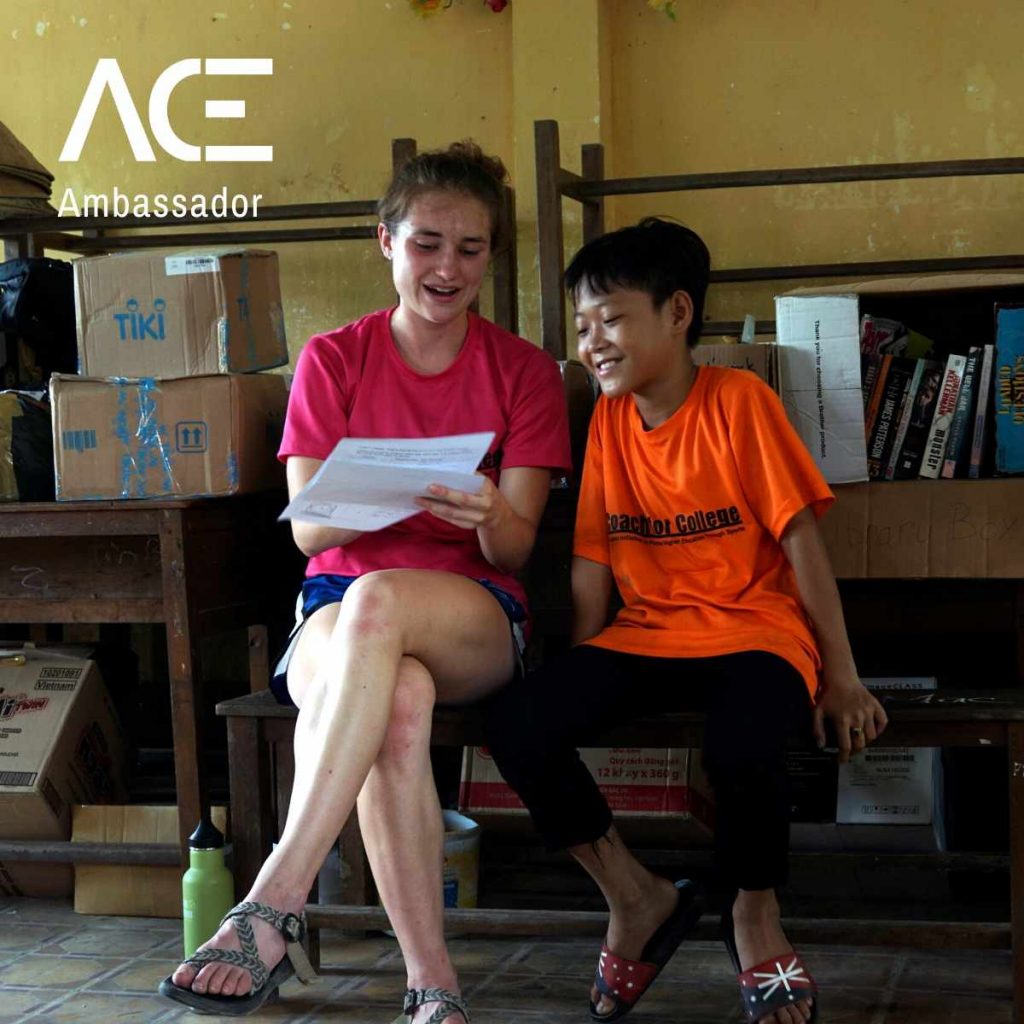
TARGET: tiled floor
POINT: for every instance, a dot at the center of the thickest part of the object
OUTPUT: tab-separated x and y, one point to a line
58	966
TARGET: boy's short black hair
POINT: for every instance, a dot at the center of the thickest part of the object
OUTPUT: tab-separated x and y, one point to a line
655	256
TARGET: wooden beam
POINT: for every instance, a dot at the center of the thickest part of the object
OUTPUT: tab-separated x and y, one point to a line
592	164
793	176
488	921
506	283
550	243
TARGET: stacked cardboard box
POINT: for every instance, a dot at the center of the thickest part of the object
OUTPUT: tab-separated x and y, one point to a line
169	401
649	785
60	745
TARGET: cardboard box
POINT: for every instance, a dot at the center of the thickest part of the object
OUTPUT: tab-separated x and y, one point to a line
150	314
130	890
761	358
887	798
649	783
186	437
60	744
892	785
927	528
818	332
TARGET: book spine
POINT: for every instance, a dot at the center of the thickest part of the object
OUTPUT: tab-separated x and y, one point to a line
954	462
911	454
880	442
868	374
875	400
905	416
945	407
981	420
1008	396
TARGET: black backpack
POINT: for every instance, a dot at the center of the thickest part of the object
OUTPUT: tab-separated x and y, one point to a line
37	305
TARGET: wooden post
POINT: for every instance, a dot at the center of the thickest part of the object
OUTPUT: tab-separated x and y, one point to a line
592	166
259	659
185	678
249	782
1015	757
401	151
506	284
550	244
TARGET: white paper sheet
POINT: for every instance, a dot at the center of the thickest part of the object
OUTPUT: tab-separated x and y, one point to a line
370	483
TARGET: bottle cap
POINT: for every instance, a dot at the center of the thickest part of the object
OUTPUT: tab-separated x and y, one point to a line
206	837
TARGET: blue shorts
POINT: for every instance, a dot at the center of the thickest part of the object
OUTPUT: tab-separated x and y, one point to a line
325	589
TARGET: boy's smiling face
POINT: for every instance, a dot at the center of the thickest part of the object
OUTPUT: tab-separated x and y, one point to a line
629	344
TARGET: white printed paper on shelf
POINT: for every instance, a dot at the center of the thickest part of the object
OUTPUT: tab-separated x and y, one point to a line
819	362
370	483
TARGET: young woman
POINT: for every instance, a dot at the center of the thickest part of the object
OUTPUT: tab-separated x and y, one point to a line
428	610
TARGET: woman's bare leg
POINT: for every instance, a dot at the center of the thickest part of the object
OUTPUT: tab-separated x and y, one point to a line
403	833
349	668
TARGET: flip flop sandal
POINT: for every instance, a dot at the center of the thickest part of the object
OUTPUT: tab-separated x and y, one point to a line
625	981
450	1004
265	983
780	981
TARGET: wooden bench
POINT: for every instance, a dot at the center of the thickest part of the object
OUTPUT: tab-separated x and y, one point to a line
939	719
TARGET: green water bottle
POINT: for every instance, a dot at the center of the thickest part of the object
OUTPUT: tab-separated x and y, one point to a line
207	888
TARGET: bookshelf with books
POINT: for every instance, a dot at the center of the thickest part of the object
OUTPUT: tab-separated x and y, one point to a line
942	367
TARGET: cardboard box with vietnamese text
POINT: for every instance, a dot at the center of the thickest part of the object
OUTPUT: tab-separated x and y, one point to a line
60	744
818	332
648	783
149	314
190	436
130	890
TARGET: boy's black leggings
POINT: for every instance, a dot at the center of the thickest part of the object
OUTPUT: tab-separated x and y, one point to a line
756	705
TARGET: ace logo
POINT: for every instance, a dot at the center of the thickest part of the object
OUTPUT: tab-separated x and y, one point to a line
107	75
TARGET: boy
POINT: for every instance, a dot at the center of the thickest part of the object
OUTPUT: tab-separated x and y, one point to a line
699	502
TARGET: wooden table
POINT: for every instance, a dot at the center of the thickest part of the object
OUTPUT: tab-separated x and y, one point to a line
200	566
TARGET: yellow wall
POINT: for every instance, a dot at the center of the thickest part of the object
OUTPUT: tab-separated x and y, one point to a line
743	84
733	84
349	75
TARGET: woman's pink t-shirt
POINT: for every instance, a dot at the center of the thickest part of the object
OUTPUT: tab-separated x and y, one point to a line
352	383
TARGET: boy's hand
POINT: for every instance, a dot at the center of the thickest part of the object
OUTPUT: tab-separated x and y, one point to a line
485	509
856	715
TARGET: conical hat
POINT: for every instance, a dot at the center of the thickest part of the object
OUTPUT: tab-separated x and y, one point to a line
16	159
18	209
12	185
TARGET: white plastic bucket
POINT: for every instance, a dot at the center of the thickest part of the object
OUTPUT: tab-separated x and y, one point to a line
461	860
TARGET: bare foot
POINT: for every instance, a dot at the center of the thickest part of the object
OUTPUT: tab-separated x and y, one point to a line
225	979
630	928
759	937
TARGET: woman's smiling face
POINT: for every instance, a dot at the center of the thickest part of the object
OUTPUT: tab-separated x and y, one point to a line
439	254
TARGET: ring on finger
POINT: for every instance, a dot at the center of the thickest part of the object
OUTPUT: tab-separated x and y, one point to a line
855	731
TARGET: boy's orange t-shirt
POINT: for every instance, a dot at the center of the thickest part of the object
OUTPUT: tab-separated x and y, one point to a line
689	518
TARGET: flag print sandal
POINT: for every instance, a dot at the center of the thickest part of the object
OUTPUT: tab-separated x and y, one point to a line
625	981
769	986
